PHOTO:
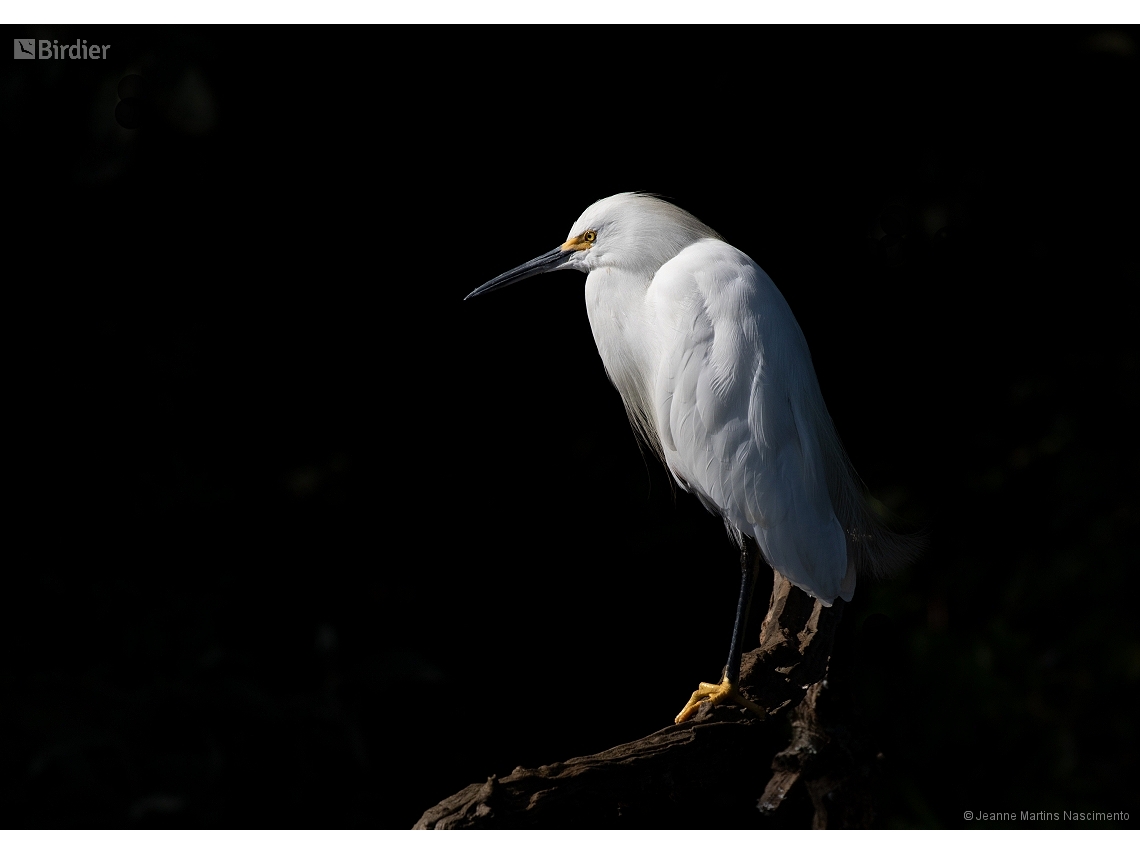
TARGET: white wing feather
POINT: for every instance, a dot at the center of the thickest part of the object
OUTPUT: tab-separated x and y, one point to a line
737	409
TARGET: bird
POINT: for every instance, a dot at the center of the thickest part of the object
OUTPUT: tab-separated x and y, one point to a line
717	381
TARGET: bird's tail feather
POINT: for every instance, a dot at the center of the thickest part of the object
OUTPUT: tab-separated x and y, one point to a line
873	547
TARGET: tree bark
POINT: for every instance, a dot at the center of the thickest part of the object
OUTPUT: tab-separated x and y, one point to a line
702	772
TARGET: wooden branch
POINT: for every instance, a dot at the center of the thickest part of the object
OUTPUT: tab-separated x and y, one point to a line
795	644
832	765
681	767
702	772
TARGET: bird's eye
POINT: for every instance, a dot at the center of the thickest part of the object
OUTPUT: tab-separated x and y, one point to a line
590	236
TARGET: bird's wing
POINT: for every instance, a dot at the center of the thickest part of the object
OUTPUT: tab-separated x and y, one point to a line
740	415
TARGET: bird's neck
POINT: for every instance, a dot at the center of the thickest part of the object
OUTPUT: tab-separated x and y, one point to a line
621	322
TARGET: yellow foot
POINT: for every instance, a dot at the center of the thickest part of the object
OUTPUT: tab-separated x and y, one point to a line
717	693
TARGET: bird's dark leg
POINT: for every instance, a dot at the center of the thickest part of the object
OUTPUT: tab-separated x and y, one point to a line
726	689
748	573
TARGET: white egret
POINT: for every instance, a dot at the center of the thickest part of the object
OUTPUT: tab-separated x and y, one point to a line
716	377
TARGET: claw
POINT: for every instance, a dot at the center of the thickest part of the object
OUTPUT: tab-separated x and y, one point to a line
718	693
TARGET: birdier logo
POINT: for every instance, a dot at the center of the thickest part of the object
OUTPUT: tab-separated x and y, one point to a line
52	49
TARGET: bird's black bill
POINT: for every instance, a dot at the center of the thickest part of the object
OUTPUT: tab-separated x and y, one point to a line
543	264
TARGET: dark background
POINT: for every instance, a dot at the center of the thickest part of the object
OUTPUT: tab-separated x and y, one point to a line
299	538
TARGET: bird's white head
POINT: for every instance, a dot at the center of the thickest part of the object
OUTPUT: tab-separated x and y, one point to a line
632	232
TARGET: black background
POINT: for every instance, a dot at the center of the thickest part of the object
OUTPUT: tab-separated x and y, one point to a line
299	538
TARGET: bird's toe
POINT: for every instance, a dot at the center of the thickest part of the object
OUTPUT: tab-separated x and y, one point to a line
717	693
